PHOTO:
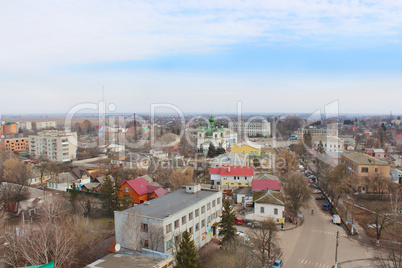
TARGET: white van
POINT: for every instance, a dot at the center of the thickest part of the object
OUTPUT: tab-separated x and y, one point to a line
336	219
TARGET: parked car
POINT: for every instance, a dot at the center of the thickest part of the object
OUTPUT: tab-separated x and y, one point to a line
254	224
239	221
320	197
326	206
277	263
336	219
241	234
316	191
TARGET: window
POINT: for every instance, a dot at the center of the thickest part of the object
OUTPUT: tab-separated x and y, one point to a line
127	190
168	228
209	219
376	170
183	220
261	209
169	244
145	243
213	203
190	230
218	201
190	216
202	209
208	206
197	227
212	216
176	224
202	223
275	211
364	169
144	227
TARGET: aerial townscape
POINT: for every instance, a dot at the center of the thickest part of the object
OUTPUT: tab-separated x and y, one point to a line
189	134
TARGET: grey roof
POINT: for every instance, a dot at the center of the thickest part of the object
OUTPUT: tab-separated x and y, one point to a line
170	203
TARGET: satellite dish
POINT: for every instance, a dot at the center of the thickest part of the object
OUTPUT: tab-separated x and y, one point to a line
117	247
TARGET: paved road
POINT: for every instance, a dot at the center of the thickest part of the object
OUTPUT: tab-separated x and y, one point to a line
313	244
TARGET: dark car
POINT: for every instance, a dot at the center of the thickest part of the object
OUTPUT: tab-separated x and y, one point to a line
326	206
277	263
320	197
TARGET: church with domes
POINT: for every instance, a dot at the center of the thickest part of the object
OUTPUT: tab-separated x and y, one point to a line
211	134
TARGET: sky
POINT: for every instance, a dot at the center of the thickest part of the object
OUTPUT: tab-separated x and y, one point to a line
294	56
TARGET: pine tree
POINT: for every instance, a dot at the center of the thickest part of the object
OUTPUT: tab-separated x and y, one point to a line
227	223
73	195
320	148
109	197
211	151
186	256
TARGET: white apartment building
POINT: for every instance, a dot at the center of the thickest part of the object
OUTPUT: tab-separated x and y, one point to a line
46	124
251	129
59	146
330	143
190	208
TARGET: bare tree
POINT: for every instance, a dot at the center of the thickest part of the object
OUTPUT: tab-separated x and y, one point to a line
286	161
234	254
381	220
154	236
264	239
131	232
380	184
297	193
389	257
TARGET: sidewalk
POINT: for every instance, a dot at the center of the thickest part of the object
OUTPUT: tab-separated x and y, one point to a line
357	264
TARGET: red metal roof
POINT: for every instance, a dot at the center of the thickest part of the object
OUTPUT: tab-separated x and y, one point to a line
141	187
233	171
261	185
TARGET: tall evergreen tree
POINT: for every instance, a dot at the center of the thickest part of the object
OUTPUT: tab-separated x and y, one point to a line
227	223
186	256
74	192
109	197
211	151
320	148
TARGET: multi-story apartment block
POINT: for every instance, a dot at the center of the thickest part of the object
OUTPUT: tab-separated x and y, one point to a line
190	208
59	146
9	128
365	168
251	129
15	145
317	132
45	125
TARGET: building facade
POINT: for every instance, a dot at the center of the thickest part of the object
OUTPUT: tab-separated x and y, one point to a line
231	177
190	208
251	129
46	125
247	149
15	145
59	146
330	143
365	168
211	134
317	132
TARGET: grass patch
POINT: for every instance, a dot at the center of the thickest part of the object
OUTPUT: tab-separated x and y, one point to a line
104	223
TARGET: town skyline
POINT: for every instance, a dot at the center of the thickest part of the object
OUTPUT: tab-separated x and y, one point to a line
274	57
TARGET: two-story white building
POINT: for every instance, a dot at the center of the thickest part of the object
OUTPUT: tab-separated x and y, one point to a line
268	205
330	143
232	177
167	217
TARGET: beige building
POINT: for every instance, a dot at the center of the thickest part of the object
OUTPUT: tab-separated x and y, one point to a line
59	146
365	168
316	132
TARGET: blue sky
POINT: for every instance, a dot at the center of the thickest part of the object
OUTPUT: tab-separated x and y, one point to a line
205	56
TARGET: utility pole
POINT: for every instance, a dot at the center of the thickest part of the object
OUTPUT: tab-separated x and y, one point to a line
353	210
336	250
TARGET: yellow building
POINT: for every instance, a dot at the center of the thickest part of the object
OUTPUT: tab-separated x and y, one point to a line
247	149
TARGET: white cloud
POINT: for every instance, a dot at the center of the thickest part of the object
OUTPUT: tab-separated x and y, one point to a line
41	34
